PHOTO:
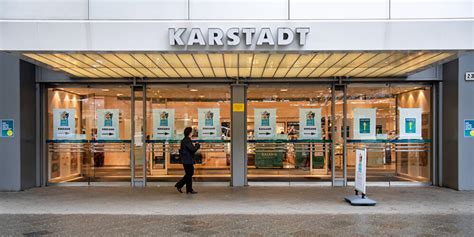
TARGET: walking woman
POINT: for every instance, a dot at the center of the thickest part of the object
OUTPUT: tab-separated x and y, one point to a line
186	153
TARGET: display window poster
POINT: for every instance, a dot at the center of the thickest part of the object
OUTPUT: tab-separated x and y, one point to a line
209	124
163	123
410	123
8	128
310	123
361	166
108	124
265	123
364	123
64	123
468	128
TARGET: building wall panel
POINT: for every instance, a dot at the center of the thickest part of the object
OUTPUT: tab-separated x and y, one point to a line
138	10
339	9
44	9
238	9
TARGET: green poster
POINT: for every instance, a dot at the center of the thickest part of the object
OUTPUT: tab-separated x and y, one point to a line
7	128
364	126
410	125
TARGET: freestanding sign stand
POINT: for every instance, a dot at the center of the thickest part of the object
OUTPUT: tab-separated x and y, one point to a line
360	181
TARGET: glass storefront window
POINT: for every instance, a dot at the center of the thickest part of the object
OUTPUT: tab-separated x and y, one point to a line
173	108
89	134
288	132
384	119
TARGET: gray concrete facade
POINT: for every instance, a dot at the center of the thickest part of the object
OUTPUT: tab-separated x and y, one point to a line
458	99
18	102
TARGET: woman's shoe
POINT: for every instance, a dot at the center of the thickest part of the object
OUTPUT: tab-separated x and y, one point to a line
192	192
179	189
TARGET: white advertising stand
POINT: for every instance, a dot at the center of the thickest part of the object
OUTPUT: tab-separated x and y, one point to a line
360	181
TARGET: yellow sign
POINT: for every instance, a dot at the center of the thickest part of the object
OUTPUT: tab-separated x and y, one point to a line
238	107
9	133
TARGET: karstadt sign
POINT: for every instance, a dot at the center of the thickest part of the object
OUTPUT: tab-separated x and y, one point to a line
235	36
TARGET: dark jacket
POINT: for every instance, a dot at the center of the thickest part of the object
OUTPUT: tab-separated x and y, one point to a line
187	150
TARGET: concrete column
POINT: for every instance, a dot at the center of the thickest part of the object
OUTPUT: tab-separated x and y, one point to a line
238	135
18	102
458	101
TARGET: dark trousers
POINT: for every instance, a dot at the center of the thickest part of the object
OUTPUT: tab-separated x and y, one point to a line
187	178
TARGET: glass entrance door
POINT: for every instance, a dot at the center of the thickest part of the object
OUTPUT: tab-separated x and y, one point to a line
204	108
288	133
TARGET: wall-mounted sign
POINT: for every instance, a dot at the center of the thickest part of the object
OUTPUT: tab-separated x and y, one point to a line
163	123
265	123
410	123
209	123
108	124
469	128
364	123
469	76
8	127
64	123
238	107
235	36
310	124
360	174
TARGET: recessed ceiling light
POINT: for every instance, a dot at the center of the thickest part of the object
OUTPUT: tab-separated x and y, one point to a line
119	94
201	96
283	90
105	90
193	90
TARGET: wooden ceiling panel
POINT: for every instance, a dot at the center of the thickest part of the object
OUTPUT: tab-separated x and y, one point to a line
249	65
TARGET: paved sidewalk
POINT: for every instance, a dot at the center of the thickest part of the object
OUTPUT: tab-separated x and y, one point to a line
227	200
225	211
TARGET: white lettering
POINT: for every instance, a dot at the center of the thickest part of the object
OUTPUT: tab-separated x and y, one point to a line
265	37
282	36
215	36
248	32
196	37
302	32
233	35
175	36
285	36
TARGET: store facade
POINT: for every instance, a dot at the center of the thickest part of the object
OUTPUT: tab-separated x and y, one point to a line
285	100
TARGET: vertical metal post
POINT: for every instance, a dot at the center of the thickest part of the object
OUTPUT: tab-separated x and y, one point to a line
439	139
38	140
344	124
132	134
396	130
238	136
43	107
434	134
144	156
333	134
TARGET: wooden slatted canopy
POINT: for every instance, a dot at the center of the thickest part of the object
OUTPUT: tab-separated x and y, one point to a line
245	65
